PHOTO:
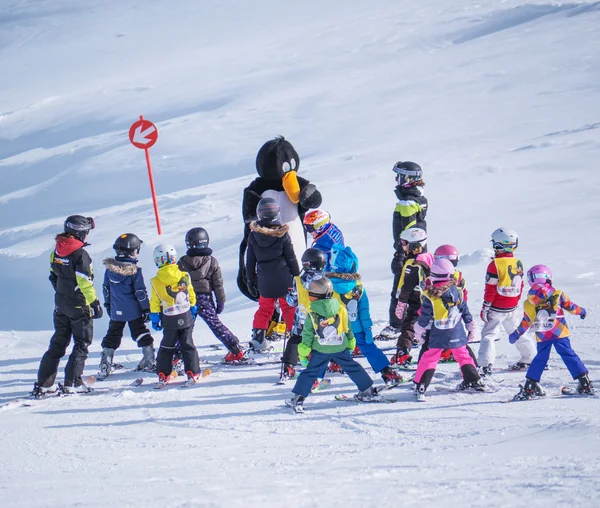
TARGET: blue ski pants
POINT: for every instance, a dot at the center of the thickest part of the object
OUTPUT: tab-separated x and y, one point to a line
564	349
375	356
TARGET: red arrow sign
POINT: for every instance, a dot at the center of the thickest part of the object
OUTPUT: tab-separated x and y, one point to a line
143	134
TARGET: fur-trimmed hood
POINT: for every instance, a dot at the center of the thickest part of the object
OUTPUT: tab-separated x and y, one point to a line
276	232
440	288
344	276
119	267
343	283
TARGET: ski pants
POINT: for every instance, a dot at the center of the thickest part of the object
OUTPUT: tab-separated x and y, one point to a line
139	333
375	356
405	341
208	312
564	349
65	327
318	363
168	349
290	355
431	357
509	321
394	321
266	307
425	347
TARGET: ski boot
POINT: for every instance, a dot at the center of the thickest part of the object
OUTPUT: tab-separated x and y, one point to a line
71	390
334	367
486	371
296	403
420	390
402	358
148	362
236	355
472	385
518	366
288	373
162	380
585	385
390	376
531	390
39	392
447	356
106	362
259	344
368	395
356	351
389	333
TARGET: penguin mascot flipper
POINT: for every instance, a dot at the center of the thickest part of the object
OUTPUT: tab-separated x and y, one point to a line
277	163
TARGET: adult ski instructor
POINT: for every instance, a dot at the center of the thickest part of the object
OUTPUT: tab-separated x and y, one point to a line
277	165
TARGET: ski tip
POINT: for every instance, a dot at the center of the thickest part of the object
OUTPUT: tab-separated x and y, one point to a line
206	372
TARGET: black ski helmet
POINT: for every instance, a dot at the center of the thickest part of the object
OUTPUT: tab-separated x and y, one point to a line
79	226
408	172
268	212
320	288
127	245
314	260
197	238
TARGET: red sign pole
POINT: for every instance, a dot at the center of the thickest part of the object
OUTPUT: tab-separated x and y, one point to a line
143	134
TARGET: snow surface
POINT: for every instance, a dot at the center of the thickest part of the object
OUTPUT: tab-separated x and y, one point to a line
497	100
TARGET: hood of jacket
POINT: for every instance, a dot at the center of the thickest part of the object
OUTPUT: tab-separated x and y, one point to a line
540	293
194	262
265	236
169	275
124	268
439	288
66	245
343	282
343	260
326	308
404	193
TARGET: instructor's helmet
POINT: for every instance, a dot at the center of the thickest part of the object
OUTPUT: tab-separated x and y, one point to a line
447	252
321	288
441	270
413	239
539	274
268	212
127	245
79	226
408	173
505	240
313	260
197	238
164	254
316	221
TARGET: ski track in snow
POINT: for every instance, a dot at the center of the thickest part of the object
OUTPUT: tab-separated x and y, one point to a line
498	101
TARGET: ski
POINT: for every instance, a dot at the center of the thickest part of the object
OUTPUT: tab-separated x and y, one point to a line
345	398
572	392
191	382
391	386
172	376
448	389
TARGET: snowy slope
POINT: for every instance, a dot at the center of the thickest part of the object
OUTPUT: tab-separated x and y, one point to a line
498	101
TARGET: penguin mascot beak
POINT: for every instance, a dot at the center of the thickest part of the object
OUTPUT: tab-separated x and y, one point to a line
290	182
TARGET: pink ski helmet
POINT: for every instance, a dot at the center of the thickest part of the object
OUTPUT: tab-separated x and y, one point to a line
447	252
539	274
441	270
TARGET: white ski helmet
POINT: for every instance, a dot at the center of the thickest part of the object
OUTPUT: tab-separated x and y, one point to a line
164	254
505	240
414	238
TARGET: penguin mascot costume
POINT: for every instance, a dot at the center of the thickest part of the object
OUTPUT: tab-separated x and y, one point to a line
277	165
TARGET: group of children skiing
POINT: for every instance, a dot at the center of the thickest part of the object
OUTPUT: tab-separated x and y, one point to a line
323	304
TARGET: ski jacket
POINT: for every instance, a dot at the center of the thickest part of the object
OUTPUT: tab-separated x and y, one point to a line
504	282
172	296
544	313
327	239
72	277
270	260
412	280
410	212
443	311
204	271
124	289
327	328
350	291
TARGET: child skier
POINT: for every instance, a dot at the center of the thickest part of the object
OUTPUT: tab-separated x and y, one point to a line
544	315
350	291
412	279
313	266
410	212
503	289
442	311
173	310
327	336
270	266
324	232
75	305
126	302
206	278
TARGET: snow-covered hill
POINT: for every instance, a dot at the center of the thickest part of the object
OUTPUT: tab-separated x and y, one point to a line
498	101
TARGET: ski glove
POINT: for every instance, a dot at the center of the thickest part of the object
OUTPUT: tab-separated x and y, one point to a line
155	318
419	332
471	329
485	310
194	311
401	310
583	313
146	315
352	344
303	352
97	311
397	262
107	307
220	307
253	289
514	337
368	336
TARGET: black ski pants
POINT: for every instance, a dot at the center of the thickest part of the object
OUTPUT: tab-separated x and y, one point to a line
290	355
394	321
405	341
81	329
137	327
168	349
